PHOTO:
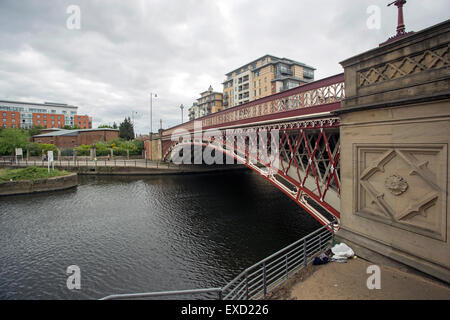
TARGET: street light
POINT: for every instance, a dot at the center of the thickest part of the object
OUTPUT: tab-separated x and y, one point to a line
151	124
151	102
133	113
181	107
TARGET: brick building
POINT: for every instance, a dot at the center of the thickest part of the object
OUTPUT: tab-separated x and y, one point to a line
84	122
64	139
9	119
47	120
17	114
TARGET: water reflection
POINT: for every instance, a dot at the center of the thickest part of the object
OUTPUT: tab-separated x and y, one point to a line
134	234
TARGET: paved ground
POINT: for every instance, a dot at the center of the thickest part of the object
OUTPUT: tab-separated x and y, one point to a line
338	281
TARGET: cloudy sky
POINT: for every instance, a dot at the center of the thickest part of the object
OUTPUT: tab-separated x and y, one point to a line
124	50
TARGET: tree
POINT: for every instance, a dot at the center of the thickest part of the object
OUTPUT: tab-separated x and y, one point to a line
35	130
12	138
75	127
114	125
105	126
126	130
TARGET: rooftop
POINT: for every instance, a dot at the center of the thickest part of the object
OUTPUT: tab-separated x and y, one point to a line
45	104
64	132
273	60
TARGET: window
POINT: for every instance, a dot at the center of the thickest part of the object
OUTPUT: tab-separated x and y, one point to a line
38	116
4	120
13	115
39	121
259	91
4	114
265	88
254	93
13	120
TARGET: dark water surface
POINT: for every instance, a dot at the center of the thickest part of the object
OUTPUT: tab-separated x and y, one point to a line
138	234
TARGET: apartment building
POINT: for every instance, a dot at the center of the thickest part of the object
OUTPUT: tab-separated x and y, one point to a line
263	77
84	122
16	114
209	102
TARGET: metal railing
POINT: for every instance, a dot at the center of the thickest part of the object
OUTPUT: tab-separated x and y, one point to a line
258	280
136	163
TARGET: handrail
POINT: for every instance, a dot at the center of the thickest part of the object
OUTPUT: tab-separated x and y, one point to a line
255	281
162	293
321	92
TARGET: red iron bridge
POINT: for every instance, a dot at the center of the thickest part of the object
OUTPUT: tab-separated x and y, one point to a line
306	166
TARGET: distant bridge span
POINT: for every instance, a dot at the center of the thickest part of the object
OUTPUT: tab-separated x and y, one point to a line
306	167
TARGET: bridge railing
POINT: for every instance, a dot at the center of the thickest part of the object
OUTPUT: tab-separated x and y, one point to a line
319	93
258	280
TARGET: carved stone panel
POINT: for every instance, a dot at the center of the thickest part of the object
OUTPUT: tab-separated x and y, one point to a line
404	186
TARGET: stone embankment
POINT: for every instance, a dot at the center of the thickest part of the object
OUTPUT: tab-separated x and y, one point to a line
39	185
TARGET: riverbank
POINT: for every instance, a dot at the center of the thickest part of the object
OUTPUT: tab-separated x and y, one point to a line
348	281
128	167
34	180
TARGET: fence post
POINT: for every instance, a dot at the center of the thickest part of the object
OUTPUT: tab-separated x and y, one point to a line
287	266
320	241
332	232
305	260
246	284
264	279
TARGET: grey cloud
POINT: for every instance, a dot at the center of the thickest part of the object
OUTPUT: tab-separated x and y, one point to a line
125	49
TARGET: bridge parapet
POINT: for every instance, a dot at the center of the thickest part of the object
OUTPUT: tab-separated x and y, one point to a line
313	98
395	133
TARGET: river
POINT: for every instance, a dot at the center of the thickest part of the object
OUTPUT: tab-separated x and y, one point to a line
139	234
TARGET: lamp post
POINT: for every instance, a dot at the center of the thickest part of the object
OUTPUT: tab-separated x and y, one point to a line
181	107
151	111
400	22
151	124
133	113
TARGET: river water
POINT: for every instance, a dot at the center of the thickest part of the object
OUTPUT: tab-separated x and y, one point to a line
138	234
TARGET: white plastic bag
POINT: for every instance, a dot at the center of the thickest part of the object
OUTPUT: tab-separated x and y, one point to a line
341	252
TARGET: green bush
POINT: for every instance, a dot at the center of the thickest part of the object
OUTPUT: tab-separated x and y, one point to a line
83	150
67	152
37	149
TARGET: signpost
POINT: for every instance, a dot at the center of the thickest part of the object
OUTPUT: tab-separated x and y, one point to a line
19	153
50	160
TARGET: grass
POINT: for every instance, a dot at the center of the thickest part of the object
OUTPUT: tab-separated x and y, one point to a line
29	173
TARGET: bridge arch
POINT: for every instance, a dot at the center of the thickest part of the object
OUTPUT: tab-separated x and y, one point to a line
298	168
